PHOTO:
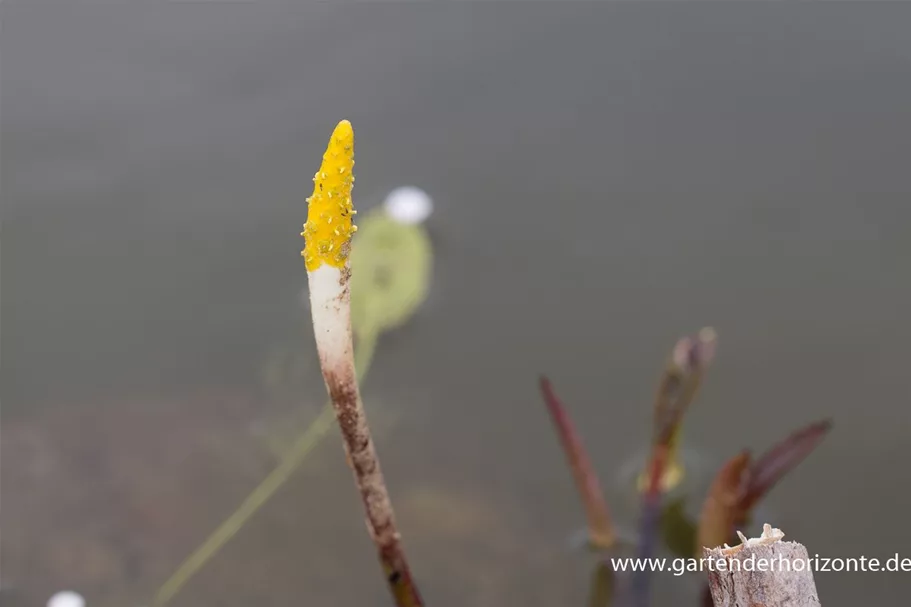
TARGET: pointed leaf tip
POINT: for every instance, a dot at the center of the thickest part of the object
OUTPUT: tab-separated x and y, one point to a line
775	463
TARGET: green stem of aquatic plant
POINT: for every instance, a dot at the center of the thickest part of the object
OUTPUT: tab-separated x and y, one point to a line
306	442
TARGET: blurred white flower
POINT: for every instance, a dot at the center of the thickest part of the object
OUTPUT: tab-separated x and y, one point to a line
66	598
408	204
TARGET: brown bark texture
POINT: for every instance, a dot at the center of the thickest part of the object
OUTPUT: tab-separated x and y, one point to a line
761	573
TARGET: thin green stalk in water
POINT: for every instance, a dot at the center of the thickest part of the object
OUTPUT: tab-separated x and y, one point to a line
292	459
393	263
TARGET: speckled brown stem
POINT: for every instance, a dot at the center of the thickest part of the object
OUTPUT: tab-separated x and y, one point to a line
343	390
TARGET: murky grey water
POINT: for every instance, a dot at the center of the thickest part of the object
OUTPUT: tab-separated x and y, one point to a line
606	177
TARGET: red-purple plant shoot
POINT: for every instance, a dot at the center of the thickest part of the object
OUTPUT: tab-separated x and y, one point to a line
601	532
775	463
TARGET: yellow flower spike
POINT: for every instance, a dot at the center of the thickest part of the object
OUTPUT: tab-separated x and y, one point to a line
327	233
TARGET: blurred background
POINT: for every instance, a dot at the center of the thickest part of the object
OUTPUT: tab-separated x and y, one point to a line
606	178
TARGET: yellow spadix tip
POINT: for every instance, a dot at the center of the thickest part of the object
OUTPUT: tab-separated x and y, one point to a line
327	233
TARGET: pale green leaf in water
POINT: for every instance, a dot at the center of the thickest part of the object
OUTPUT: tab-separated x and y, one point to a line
391	264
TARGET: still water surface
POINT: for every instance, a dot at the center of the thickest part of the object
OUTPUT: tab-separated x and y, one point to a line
607	177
